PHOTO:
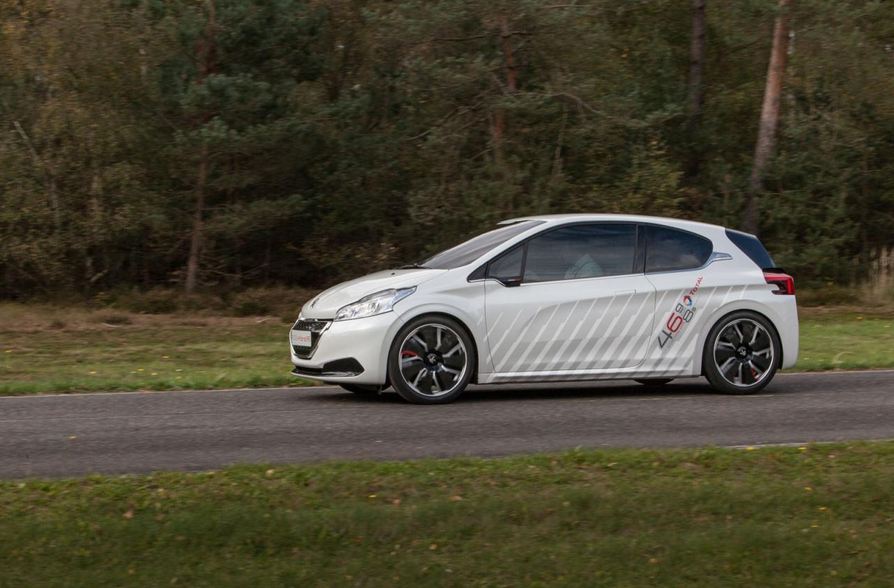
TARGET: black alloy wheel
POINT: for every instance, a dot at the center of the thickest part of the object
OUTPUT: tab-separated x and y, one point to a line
431	360
742	353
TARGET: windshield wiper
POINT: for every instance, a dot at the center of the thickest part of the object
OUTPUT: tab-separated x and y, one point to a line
414	266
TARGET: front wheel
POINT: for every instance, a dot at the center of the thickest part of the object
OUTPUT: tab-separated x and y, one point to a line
431	360
742	353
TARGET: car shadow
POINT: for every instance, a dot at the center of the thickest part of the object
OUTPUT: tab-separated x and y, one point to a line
546	391
582	390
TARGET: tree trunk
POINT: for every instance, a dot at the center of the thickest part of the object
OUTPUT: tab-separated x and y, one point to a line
198	224
206	51
508	56
766	138
49	176
695	98
498	121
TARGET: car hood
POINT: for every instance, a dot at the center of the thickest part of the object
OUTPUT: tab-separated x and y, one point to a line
327	303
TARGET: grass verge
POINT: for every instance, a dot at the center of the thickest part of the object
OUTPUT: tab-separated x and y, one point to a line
810	516
846	341
51	349
99	351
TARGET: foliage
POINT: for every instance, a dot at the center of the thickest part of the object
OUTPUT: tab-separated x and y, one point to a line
331	137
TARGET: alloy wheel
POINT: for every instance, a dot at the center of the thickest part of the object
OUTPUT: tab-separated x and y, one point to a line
744	352
433	360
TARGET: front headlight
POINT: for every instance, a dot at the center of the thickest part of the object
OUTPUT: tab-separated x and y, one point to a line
373	304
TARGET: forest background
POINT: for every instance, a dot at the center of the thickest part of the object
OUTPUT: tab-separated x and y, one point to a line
221	145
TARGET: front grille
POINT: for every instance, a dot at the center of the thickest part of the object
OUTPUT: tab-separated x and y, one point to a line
316	328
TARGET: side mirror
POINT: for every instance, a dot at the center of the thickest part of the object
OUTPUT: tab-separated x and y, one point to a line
510	282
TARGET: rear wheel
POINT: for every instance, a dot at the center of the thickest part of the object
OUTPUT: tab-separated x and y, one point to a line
431	360
654	381
742	353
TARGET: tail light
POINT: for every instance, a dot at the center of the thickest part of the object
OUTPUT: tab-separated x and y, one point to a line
785	284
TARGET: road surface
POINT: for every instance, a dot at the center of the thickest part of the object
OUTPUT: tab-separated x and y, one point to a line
68	435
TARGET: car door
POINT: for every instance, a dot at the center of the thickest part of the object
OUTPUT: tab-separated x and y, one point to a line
676	264
569	299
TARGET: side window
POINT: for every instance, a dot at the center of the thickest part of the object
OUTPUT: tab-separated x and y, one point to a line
508	266
670	249
581	251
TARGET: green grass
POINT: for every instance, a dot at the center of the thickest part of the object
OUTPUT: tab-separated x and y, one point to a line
51	349
850	341
157	357
821	515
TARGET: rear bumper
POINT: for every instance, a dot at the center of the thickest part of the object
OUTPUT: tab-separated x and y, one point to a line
789	331
352	351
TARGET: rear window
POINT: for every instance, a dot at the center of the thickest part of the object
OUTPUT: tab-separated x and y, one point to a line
670	250
752	247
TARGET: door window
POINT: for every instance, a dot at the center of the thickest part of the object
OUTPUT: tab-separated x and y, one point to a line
508	266
581	251
671	249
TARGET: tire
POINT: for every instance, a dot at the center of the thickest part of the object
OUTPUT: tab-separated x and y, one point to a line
654	381
742	353
359	390
431	360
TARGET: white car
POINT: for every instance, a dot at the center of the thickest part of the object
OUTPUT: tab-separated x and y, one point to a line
559	298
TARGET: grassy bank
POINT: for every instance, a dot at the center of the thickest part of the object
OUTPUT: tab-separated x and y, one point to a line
51	349
102	350
809	516
846	341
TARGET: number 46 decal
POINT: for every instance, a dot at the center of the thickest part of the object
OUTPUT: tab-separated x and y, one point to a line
680	316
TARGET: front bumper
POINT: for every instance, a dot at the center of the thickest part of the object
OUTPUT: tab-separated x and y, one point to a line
354	351
347	367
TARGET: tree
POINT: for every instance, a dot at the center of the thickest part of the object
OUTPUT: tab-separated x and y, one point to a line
695	95
219	145
232	92
76	210
769	121
206	60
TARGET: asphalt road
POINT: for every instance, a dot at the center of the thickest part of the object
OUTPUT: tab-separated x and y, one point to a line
66	435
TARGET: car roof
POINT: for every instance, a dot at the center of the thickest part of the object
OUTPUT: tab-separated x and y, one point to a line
633	218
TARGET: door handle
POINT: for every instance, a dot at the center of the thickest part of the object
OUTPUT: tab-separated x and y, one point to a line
624	292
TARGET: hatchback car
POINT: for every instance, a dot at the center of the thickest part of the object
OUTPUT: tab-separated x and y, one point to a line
559	298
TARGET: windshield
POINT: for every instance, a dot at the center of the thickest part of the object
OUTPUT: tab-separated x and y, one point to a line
467	252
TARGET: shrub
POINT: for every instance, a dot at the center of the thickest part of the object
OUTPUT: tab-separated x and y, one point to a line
155	301
266	301
114	319
830	294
